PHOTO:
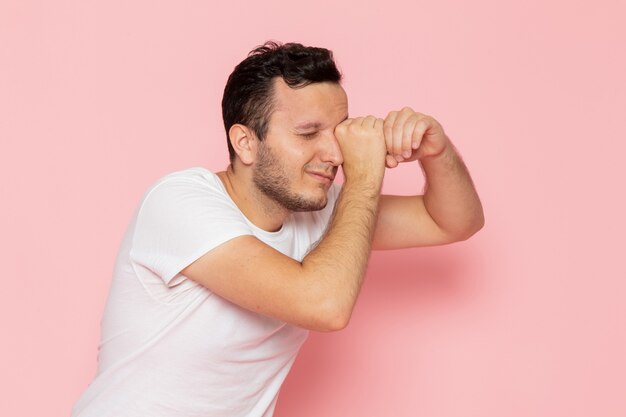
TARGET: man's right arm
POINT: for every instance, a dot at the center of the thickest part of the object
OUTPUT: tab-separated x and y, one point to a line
320	292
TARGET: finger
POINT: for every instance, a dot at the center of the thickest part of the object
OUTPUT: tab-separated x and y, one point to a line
390	161
398	132
369	121
346	122
407	136
421	127
342	127
357	121
388	130
379	123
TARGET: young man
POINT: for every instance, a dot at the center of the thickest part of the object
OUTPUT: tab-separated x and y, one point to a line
221	276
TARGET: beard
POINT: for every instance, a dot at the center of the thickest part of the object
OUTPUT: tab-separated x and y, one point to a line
270	178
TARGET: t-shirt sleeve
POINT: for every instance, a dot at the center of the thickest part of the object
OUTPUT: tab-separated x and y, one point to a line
179	220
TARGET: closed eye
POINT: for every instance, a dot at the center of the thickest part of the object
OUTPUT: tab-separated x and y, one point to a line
310	135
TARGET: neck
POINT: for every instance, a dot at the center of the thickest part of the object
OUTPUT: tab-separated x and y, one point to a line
261	210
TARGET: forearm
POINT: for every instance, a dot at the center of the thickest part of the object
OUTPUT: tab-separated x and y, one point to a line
337	265
450	196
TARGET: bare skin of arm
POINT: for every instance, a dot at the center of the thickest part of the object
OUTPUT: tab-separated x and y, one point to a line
449	210
318	293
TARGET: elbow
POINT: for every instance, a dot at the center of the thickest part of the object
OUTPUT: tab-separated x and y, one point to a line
477	224
330	318
334	324
330	301
337	322
468	230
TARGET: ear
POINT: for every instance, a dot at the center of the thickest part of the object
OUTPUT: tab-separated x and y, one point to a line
244	143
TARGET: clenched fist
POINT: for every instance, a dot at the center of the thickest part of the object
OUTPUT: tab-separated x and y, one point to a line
363	148
410	135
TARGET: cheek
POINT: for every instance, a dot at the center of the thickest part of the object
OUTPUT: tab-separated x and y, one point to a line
298	155
295	152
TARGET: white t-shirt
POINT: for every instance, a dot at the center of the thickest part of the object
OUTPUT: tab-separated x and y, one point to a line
169	346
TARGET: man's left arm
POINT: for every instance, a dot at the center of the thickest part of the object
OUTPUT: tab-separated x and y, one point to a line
449	209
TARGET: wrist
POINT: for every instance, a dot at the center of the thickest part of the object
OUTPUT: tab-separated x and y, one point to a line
366	186
447	153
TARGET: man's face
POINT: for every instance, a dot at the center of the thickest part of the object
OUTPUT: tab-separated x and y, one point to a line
298	159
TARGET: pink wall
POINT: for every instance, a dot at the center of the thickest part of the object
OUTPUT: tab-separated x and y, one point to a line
98	99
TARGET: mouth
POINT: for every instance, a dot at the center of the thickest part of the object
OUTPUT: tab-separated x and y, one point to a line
322	177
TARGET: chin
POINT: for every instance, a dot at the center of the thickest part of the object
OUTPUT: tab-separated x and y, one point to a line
311	206
307	203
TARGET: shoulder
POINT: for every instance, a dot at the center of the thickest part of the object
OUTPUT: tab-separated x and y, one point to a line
198	176
189	182
188	194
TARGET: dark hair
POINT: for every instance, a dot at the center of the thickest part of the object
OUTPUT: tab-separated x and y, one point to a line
248	93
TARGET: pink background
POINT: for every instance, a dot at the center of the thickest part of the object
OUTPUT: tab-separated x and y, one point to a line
99	99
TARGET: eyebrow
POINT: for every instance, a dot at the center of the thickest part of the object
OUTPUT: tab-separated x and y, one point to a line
313	125
308	125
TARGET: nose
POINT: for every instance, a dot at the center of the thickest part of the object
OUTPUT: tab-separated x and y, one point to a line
330	151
